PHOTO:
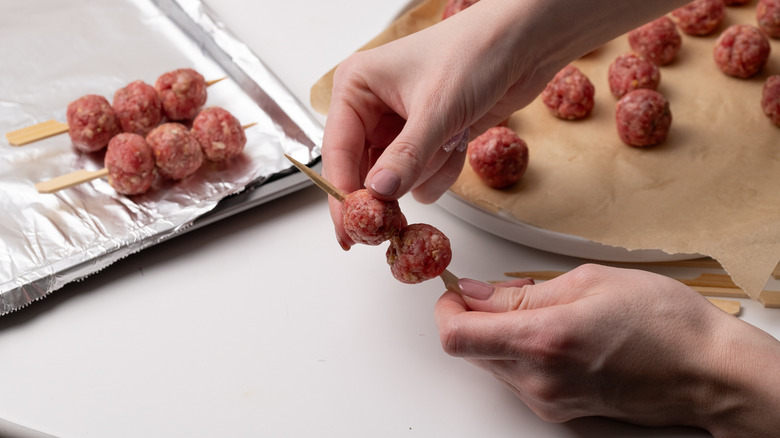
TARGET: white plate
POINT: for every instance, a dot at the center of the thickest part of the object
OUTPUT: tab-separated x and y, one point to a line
551	241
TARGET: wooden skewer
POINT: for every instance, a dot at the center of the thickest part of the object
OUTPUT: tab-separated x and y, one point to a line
706	284
214	81
49	128
42	130
318	180
72	179
69	180
731	307
450	280
718	285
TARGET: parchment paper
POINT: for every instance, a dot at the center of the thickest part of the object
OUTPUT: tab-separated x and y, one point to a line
710	189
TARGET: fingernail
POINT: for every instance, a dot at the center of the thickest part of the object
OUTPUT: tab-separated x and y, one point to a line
476	289
385	182
343	244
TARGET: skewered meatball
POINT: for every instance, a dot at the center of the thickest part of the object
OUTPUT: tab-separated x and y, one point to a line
182	93
658	41
768	17
369	220
418	253
741	50
630	71
700	17
569	95
499	157
91	122
137	107
643	118
770	98
177	153
221	135
130	164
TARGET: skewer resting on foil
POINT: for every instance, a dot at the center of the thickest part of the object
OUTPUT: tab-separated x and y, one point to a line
77	177
50	128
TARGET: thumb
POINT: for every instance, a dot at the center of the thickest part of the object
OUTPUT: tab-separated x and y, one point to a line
499	297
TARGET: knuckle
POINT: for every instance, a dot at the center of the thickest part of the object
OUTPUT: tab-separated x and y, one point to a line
450	336
587	275
407	152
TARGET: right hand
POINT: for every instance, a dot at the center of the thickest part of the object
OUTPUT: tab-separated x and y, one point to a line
393	107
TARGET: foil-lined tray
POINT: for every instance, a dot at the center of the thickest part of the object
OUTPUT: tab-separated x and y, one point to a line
63	50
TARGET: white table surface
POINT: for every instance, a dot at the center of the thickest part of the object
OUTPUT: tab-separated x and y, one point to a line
260	325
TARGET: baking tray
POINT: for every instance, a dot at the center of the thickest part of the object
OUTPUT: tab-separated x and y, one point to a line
51	240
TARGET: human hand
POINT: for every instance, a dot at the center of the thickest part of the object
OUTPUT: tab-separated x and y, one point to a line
619	343
394	107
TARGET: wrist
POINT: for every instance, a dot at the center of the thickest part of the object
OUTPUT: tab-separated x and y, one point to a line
744	396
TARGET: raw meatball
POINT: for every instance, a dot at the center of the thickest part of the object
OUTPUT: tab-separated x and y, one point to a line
177	153
499	157
700	17
91	122
182	92
569	95
369	220
658	41
454	6
770	98
643	118
418	253
630	71
221	135
130	164
741	50
137	107
768	17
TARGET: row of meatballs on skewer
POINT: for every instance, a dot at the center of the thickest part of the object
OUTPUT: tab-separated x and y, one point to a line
144	131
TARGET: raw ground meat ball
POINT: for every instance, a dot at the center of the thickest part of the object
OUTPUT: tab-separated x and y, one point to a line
770	98
569	95
91	122
768	17
454	6
658	41
182	93
177	153
630	71
499	157
221	135
741	50
137	107
418	253
700	17
130	164
369	220
643	118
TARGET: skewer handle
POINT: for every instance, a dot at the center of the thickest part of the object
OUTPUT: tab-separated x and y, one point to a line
450	281
319	180
69	180
36	132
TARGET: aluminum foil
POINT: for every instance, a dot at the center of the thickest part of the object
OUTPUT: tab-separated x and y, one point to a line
56	51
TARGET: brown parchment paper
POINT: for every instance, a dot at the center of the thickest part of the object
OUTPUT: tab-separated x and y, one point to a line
713	188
